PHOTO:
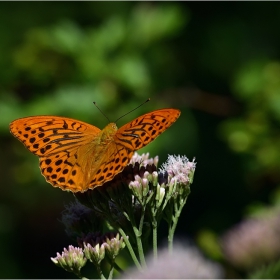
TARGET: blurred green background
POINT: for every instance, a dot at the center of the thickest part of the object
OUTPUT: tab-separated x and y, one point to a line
218	62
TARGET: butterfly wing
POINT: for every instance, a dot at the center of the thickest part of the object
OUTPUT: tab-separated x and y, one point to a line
144	129
129	138
76	156
113	160
58	141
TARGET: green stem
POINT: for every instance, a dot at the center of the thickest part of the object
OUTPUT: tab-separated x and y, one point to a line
174	222
170	234
117	268
155	239
130	249
154	226
138	233
99	271
130	217
110	276
153	215
140	247
141	222
121	231
171	231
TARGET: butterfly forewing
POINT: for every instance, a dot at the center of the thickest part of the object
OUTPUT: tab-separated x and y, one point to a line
44	135
144	129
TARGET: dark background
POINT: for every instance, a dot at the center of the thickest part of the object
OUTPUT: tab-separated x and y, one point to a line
217	62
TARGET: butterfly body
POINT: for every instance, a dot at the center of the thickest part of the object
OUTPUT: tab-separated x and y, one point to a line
77	156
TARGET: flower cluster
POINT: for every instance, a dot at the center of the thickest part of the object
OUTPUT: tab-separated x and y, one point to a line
179	169
132	204
177	173
253	242
73	259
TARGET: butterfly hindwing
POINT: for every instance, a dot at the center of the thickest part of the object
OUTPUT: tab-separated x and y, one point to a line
115	158
63	170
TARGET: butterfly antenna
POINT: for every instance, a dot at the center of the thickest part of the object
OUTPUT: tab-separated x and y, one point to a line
133	109
101	111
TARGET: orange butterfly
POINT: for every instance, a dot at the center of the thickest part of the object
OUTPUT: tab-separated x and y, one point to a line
77	156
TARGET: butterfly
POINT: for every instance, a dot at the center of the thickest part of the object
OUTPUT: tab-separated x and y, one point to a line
77	156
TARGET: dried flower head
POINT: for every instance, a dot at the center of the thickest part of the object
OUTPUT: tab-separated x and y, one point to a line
91	238
79	220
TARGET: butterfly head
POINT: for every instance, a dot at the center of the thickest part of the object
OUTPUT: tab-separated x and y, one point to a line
111	127
108	132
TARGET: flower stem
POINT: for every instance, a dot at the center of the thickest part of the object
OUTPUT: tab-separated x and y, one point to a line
130	249
138	235
174	221
117	268
99	271
155	239
110	276
138	231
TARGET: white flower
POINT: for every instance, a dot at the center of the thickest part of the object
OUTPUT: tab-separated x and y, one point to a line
143	159
179	168
186	262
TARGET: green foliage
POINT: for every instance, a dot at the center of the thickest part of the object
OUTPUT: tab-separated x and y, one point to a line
271	271
255	133
108	63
